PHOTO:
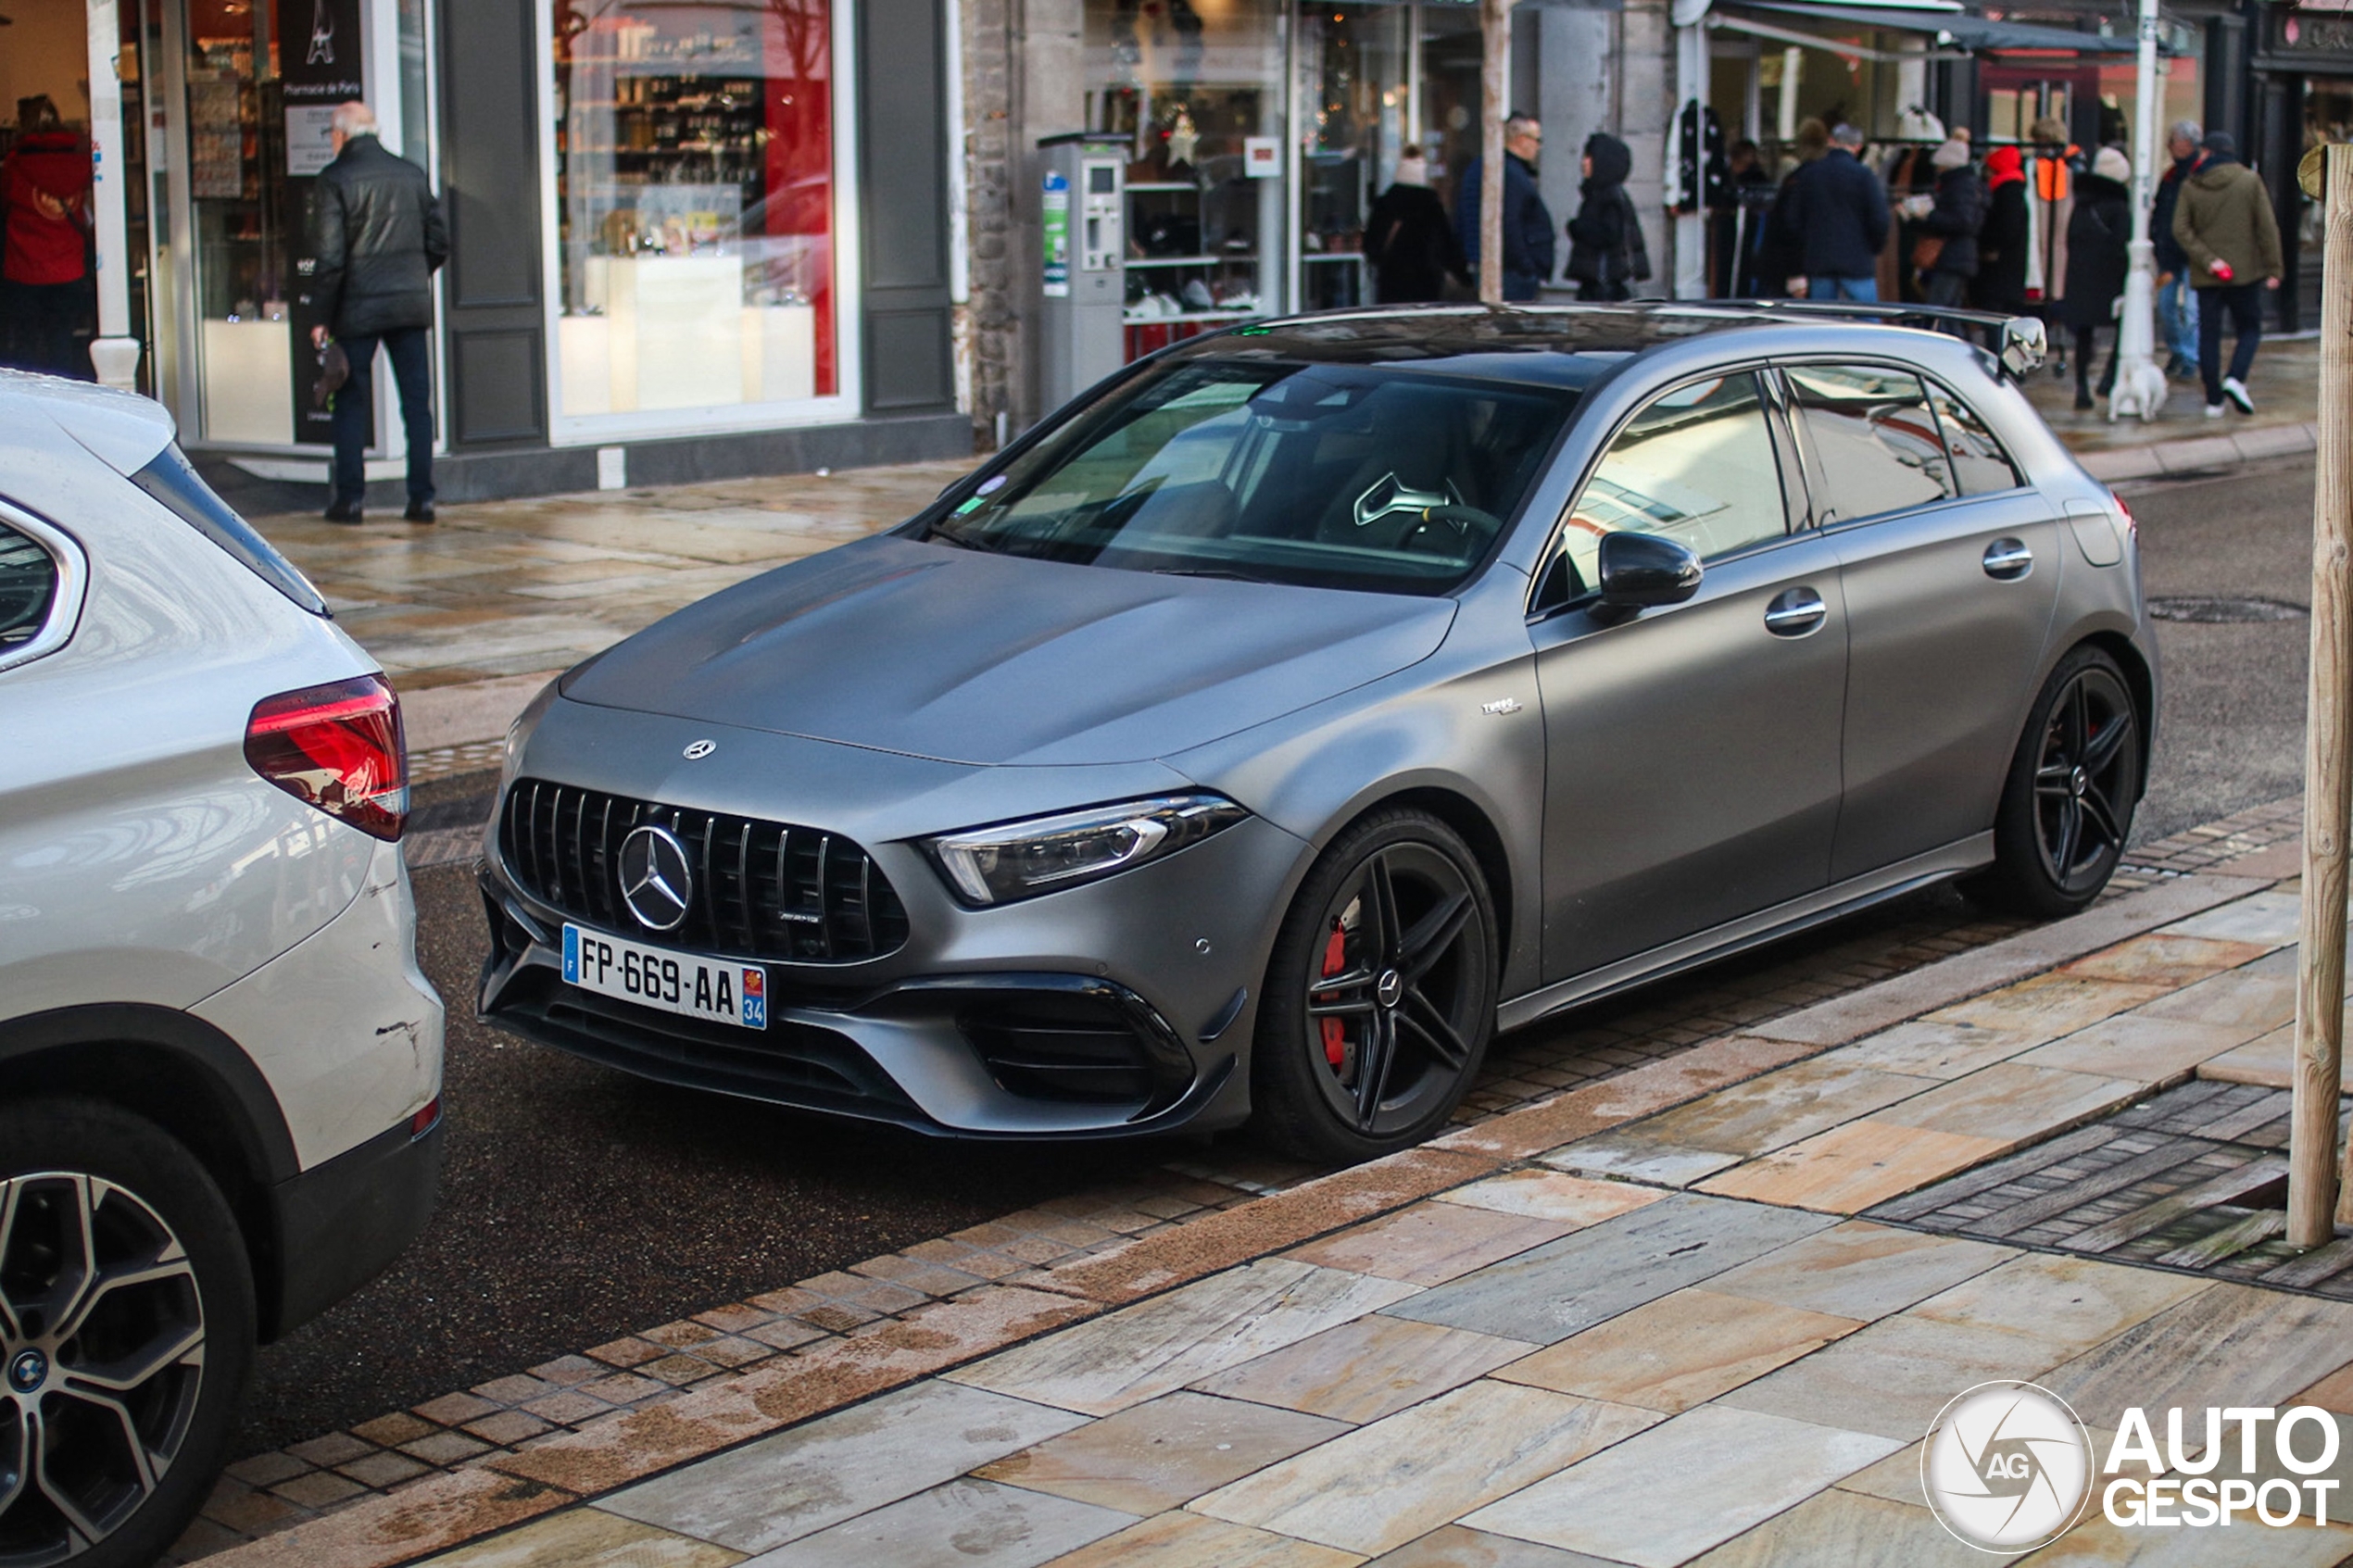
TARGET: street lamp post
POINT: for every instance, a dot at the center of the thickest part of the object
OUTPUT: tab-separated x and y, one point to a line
2140	383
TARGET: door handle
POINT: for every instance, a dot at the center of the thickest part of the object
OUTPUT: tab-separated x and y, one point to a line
2009	559
1795	612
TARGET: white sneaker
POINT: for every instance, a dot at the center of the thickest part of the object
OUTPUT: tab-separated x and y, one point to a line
2214	410
2236	390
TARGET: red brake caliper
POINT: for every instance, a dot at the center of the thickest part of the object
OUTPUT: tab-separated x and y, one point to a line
1335	960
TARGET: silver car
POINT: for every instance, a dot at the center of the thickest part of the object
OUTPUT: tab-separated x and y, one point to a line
1260	734
220	1067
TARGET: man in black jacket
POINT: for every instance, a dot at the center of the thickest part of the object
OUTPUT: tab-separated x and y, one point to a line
378	235
1839	208
1528	223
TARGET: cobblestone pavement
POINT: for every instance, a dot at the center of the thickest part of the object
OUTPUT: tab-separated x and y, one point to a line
266	1493
1652	1321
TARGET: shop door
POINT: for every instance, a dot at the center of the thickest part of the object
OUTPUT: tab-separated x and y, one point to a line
260	86
2327	117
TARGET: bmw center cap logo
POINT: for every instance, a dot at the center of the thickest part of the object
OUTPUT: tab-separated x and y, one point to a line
28	1372
656	880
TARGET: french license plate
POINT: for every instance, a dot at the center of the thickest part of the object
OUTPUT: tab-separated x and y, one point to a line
679	982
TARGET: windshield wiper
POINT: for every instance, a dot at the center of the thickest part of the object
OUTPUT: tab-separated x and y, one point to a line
1204	571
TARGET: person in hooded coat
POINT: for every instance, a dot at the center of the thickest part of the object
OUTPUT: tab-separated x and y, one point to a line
2099	233
1409	240
1606	254
1955	213
2002	242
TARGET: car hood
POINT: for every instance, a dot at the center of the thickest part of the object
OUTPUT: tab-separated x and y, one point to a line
936	651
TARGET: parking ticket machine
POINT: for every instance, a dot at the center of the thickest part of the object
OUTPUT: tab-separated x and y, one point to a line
1084	256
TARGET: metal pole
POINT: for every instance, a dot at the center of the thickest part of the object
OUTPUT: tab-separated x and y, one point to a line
2312	1186
1494	72
2140	384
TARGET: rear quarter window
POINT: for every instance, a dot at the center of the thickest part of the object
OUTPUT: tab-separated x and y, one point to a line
27	589
183	493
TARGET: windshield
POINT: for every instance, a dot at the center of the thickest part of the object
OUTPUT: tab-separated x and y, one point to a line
1326	475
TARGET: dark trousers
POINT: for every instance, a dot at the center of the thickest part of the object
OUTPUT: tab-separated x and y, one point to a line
2245	302
2087	342
411	352
41	318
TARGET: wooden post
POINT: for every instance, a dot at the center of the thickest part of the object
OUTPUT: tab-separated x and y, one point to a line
1495	44
2313	1195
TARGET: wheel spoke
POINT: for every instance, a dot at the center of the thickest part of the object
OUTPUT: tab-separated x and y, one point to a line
2055	781
1355	1007
2105	744
16	1456
2069	826
118	1418
65	1285
175	1267
1423	1019
2100	820
1381	891
2076	720
1372	1067
126	1373
79	1523
1432	935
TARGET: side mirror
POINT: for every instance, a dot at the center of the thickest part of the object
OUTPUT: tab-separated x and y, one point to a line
2023	346
1641	570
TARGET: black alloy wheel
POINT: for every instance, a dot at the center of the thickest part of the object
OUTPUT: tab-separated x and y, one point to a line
2066	809
126	1328
1381	993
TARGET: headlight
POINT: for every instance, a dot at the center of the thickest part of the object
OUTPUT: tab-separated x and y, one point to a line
1047	854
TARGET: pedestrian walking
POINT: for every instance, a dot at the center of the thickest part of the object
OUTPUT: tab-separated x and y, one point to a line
2225	223
1736	223
1409	240
1840	213
1606	254
2003	248
2100	237
2176	301
1780	249
379	236
1946	252
1528	223
45	184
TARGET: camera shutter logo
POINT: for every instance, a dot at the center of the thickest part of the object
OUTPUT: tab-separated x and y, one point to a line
2006	1467
656	880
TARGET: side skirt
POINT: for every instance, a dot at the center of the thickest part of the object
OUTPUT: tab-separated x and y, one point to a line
1751	931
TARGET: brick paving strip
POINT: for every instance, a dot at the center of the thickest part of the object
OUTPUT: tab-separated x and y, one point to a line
1807	1135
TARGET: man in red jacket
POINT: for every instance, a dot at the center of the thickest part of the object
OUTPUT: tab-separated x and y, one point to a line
45	187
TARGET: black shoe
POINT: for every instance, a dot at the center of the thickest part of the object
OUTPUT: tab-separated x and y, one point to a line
343	511
2082	400
419	511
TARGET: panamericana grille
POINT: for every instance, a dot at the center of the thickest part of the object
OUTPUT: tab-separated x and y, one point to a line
762	890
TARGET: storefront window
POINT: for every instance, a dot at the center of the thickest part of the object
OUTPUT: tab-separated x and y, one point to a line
1357	104
1197	86
695	196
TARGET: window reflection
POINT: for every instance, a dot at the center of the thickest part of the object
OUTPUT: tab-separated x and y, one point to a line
1697	466
1874	438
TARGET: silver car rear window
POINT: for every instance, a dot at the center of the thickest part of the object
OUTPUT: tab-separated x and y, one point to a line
183	493
28	586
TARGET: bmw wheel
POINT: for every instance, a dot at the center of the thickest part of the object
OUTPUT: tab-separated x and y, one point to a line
2067	806
126	1330
1380	996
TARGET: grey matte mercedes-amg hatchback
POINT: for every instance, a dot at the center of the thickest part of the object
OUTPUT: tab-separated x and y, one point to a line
1266	730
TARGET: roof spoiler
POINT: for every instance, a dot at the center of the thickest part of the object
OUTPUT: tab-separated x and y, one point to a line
2019	343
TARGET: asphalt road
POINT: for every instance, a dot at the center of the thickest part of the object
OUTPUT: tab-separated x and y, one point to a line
578	1204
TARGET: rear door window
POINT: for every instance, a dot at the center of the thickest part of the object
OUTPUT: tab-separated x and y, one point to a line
27	589
1875	440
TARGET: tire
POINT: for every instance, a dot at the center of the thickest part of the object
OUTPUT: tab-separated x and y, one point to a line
162	1352
2068	802
1380	993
